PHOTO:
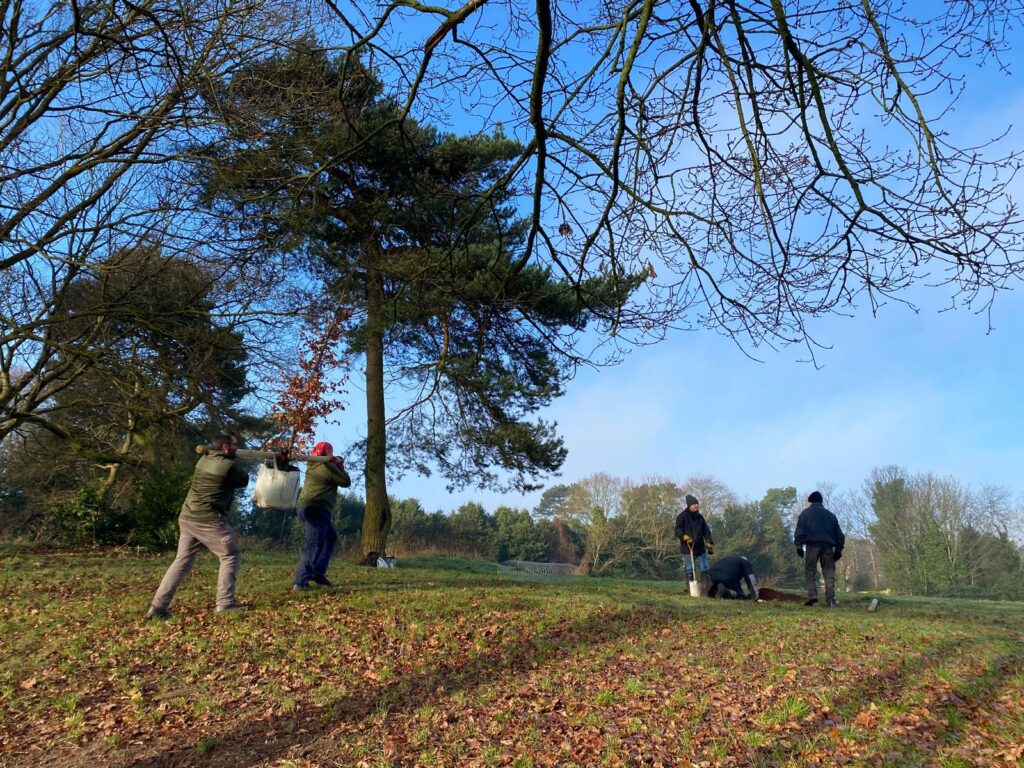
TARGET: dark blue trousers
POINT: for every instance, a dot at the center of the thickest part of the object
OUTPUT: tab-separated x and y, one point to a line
318	545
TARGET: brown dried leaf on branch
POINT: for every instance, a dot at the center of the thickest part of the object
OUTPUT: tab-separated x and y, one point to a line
312	393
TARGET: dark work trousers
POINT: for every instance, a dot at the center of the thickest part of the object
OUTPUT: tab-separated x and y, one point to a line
826	556
725	588
318	545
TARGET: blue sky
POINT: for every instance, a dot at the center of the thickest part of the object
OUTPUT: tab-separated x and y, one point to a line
934	391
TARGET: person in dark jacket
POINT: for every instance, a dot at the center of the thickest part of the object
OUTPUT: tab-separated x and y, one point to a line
693	532
202	523
316	506
819	539
725	578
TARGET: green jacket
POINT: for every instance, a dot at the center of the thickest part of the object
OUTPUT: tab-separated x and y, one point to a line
320	488
213	486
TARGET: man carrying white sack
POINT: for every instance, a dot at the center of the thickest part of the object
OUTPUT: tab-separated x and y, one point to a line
316	505
203	523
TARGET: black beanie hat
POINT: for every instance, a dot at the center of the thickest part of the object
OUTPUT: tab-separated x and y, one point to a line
691	500
815	498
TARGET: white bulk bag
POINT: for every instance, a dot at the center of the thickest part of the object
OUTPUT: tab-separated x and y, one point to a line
275	488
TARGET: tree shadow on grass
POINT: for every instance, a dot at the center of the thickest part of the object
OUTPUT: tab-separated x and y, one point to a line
269	738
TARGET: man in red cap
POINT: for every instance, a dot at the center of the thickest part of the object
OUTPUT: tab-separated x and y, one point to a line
316	505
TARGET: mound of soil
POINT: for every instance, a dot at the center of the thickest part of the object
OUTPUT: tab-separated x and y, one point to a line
775	595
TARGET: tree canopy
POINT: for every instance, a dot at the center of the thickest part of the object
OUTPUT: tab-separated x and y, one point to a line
402	224
98	111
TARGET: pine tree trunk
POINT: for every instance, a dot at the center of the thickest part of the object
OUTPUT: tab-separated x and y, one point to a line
377	519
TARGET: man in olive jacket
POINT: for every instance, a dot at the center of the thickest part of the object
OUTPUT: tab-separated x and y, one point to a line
818	531
202	523
316	505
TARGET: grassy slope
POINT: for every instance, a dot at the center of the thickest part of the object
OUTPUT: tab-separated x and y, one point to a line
450	663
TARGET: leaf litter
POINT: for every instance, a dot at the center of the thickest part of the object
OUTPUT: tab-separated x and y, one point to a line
468	669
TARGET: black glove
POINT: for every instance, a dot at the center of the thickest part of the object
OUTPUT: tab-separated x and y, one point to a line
799	550
837	556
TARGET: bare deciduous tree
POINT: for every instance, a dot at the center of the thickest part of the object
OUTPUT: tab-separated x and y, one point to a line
593	503
650	509
714	495
767	161
861	565
937	536
98	110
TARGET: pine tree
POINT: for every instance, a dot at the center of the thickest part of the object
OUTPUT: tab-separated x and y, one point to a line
399	222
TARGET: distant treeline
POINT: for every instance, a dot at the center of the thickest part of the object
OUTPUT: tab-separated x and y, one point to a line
912	534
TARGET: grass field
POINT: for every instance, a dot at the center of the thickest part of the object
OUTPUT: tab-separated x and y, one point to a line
450	663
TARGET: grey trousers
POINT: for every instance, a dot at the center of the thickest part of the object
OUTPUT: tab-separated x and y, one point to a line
218	537
826	556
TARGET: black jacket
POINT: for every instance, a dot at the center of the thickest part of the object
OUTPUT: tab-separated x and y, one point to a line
694	524
817	527
729	570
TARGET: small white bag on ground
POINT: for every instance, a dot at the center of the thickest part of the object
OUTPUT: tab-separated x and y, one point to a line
275	488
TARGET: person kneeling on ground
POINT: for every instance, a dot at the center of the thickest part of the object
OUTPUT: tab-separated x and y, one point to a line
316	504
725	578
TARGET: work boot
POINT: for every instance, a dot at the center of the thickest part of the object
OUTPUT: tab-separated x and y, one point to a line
233	608
158	614
811	601
301	587
322	581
